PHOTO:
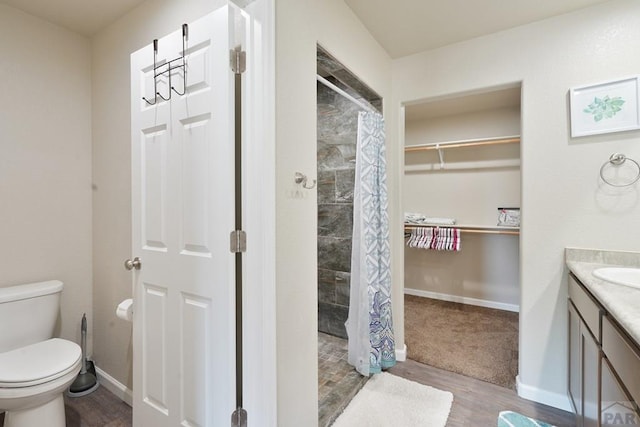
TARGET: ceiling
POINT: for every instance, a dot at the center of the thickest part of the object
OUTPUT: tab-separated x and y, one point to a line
402	27
405	27
85	17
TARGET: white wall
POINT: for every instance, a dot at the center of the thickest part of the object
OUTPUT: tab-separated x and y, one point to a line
503	121
300	25
485	272
564	203
475	181
45	161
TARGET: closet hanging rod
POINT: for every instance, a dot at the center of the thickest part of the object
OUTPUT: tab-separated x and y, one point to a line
463	143
463	229
336	89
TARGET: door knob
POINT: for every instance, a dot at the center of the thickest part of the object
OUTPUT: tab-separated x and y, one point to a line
136	263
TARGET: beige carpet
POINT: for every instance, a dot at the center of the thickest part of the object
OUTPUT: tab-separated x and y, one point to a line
390	401
475	341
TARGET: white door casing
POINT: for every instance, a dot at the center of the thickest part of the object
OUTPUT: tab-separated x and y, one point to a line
183	211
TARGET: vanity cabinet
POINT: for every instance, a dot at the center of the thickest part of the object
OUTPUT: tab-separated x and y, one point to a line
604	364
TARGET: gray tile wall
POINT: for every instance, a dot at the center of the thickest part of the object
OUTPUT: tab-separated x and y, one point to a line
337	132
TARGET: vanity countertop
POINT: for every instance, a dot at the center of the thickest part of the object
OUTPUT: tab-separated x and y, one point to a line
622	302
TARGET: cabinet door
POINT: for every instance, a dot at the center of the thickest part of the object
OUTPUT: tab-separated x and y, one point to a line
590	376
617	408
623	355
584	359
575	364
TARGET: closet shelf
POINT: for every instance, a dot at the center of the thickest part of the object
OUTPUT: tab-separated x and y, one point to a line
470	228
463	143
477	164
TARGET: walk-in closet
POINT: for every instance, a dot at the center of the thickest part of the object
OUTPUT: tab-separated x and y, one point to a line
461	197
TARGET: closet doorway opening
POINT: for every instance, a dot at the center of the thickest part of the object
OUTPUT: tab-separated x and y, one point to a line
462	198
340	97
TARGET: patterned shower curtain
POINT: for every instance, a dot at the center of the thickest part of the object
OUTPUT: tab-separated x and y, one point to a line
369	326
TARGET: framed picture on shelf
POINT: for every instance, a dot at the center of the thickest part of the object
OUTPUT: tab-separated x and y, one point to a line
605	107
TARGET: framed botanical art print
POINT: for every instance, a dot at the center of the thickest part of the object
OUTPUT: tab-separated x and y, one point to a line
605	107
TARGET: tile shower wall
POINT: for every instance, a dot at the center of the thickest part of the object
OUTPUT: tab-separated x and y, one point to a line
337	130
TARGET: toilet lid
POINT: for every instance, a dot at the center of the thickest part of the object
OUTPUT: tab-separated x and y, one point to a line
38	363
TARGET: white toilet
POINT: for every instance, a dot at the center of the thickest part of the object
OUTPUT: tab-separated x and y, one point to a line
35	369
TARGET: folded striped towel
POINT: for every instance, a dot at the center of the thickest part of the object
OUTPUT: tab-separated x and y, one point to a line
417	218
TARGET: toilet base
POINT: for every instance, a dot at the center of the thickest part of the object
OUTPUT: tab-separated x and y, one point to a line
52	412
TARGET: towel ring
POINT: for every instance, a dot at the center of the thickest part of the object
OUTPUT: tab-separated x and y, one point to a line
617	159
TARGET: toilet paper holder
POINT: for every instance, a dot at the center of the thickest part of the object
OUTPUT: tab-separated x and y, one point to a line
124	310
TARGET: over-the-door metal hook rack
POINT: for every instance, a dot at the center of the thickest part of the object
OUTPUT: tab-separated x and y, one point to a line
157	69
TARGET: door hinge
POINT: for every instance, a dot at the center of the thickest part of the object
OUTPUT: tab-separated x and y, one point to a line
238	60
238	241
239	418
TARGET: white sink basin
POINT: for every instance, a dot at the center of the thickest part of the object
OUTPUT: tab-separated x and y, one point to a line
619	275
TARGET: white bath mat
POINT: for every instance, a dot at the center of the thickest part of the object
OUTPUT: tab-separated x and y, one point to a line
388	400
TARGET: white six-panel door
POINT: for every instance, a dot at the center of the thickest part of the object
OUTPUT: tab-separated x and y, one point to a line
183	212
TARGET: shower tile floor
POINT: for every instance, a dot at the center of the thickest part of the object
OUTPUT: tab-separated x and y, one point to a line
338	381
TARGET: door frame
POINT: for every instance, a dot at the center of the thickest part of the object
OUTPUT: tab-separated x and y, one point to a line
259	215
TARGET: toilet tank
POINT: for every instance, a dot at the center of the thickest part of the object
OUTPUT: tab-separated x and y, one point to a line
28	313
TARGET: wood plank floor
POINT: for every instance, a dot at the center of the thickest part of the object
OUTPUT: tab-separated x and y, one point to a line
477	403
98	409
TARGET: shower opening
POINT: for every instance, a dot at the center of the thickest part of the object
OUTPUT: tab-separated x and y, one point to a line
340	96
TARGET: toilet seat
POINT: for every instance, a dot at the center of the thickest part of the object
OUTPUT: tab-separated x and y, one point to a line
38	363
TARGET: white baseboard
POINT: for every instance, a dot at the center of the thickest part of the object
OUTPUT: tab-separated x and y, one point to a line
401	354
557	400
115	386
463	300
